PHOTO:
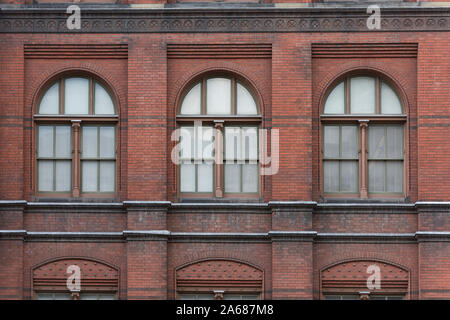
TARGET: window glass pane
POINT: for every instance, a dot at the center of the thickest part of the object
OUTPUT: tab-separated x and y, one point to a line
341	297
186	144
335	103
249	178
76	98
187	177
205	142
390	104
63	141
232	178
193	296
107	176
245	102
376	176
89	141
89	176
50	101
350	297
376	142
394	176
362	95
62	175
53	296
45	141
218	96
233	146
331	176
394	142
349	176
103	103
192	101
250	141
205	177
44	296
331	141
349	147
107	142
45	174
89	296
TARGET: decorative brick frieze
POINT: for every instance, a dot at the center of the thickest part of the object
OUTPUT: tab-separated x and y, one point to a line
124	20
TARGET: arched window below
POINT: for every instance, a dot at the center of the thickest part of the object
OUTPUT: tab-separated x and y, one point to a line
76	139
211	166
363	140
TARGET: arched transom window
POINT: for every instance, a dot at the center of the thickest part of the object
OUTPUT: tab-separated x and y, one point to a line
213	166
76	139
363	139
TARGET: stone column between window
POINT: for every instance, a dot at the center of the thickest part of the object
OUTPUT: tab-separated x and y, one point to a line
363	159
218	165
76	158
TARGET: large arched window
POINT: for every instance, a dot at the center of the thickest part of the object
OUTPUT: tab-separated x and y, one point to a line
76	139
218	119
363	139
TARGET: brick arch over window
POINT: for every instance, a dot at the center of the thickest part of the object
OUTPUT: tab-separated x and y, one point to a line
96	275
219	274
350	277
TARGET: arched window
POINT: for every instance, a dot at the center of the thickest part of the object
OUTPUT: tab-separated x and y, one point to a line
76	139
223	106
363	139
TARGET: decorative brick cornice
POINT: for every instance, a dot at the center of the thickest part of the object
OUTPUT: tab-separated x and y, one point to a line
150	235
292	235
365	208
85	207
166	235
78	51
219	51
364	50
12	204
12	234
433	236
229	20
365	237
147	205
218	236
222	208
74	236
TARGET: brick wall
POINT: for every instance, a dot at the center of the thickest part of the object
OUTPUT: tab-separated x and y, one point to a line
290	84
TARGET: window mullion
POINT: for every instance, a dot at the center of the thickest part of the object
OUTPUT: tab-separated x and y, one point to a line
347	95
76	158
363	158
98	159
378	96
218	162
233	97
90	97
203	97
61	96
54	159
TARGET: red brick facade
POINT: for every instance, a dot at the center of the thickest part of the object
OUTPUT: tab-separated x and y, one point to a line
291	242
